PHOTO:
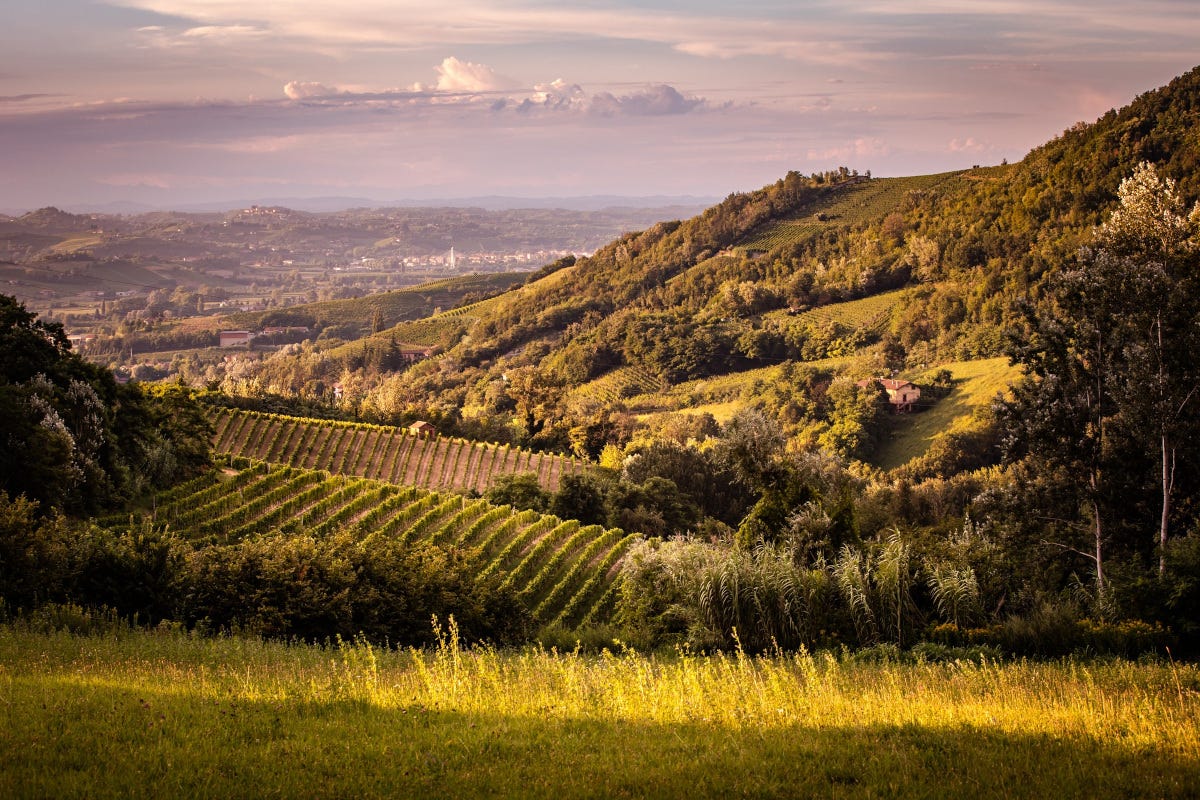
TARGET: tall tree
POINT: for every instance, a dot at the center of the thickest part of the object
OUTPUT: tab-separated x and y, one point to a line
1151	247
1112	361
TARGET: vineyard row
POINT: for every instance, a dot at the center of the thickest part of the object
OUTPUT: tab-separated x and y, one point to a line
382	453
564	573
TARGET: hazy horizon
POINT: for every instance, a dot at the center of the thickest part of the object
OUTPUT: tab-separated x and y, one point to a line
172	103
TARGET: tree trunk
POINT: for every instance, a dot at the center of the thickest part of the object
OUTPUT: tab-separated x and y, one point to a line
1168	484
1098	533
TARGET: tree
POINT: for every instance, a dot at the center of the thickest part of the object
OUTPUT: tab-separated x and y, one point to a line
579	497
1111	362
520	490
1153	248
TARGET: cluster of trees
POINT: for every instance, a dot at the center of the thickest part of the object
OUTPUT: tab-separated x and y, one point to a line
75	439
1112	398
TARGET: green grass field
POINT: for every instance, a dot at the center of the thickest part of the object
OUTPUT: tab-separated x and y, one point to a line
170	715
976	384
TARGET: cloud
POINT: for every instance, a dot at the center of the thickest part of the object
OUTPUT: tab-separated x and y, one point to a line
224	32
660	100
305	90
466	84
22	98
466	76
557	95
859	148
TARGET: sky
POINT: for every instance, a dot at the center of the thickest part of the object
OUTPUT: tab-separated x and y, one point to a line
174	102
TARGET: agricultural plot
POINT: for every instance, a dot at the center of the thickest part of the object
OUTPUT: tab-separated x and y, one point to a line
867	314
619	383
852	205
381	453
560	570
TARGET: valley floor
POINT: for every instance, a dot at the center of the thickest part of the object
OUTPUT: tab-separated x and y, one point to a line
169	714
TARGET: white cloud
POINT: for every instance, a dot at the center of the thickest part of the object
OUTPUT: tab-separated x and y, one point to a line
968	145
224	32
555	95
466	76
859	148
305	90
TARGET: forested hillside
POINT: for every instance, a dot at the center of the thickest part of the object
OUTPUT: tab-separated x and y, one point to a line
720	355
840	409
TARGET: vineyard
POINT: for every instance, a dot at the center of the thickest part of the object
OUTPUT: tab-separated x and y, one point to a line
622	382
392	307
443	326
381	453
867	314
563	572
856	203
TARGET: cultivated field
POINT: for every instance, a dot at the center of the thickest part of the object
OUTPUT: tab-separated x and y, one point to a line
868	313
382	453
166	714
865	201
563	572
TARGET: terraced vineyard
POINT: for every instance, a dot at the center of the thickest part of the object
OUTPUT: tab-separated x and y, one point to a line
564	573
868	313
621	382
868	199
439	327
381	453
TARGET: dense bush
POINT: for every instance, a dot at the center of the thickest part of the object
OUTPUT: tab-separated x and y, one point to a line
277	586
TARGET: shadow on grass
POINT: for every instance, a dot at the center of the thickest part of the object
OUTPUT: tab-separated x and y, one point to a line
104	741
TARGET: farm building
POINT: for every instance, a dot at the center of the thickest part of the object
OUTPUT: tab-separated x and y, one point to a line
413	354
901	394
235	338
423	430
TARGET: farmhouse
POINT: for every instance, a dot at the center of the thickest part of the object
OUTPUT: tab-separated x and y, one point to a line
423	430
414	354
235	338
901	394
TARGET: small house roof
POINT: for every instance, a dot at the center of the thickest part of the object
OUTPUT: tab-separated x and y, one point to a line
891	384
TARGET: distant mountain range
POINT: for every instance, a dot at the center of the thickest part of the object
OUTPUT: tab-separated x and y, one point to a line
689	203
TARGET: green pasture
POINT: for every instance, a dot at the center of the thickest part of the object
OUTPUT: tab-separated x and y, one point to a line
167	714
976	384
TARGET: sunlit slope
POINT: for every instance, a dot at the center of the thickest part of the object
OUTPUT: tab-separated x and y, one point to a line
564	572
976	386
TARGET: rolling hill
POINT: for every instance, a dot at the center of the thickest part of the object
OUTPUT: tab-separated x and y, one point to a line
839	272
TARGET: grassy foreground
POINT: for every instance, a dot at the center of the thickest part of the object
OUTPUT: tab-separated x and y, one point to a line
169	715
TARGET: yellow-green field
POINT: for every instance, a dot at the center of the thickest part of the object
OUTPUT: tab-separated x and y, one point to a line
976	384
168	715
866	312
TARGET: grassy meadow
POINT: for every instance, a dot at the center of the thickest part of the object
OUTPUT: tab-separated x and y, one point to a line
976	385
125	713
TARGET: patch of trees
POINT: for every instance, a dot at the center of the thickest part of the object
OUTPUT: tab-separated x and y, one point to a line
73	438
1104	425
